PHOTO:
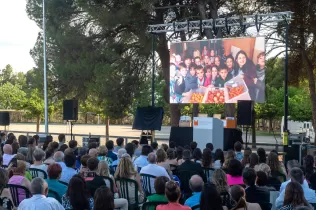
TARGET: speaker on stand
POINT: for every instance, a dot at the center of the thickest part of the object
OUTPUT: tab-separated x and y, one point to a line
245	115
5	119
70	112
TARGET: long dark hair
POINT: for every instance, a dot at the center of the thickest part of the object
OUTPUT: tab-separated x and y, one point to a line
308	166
197	154
238	194
294	195
206	158
210	198
78	193
219	155
253	160
262	155
103	199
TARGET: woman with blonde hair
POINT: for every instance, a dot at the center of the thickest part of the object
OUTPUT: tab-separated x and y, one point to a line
125	169
230	155
103	170
161	161
239	195
219	179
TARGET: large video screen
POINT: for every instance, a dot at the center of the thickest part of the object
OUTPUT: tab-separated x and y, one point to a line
218	71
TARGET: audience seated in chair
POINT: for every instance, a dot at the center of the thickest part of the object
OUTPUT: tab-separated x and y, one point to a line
119	143
210	198
110	146
262	181
7	154
271	181
59	159
275	166
296	175
84	167
162	161
159	185
39	190
18	178
262	155
255	194
120	152
5	195
154	170
219	158
234	175
239	195
238	148
54	173
292	164
171	157
104	171
68	172
39	156
77	195
173	194
294	197
196	185
219	179
125	169
142	161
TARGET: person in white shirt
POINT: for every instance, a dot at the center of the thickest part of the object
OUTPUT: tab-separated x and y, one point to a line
39	156
7	154
154	170
59	159
38	201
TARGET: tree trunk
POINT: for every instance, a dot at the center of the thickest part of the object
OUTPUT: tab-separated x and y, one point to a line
107	129
38	121
253	130
86	118
270	125
311	85
175	114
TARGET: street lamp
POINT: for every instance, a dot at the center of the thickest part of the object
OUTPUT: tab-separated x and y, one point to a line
45	73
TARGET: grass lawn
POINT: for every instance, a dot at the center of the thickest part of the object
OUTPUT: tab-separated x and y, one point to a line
266	133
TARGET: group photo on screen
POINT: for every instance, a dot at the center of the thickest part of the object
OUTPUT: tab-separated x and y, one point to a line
218	71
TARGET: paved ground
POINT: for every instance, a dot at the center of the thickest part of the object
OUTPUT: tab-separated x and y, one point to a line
115	130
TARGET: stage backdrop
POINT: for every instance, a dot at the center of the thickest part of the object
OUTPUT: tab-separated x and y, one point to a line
218	71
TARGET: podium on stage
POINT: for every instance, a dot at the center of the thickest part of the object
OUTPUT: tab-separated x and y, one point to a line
208	130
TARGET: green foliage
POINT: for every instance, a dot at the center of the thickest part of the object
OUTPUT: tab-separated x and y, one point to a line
11	96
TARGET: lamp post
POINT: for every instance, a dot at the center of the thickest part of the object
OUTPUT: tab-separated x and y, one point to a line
45	73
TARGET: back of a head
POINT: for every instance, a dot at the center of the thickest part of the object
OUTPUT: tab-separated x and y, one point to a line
154	145
73	144
159	184
92	145
38	186
294	195
172	145
197	154
38	154
92	164
103	199
196	183
93	152
120	141
219	155
23	141
235	168
172	191
237	146
210	146
61	138
253	160
151	158
262	179
84	159
238	193
186	155
110	145
161	155
7	149
292	164
265	168
146	149
193	145
54	170
297	175
121	152
59	156
249	176
171	154
210	198
164	147
130	148
262	155
77	193
70	160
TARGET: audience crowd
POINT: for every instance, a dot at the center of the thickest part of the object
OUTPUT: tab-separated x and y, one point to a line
55	176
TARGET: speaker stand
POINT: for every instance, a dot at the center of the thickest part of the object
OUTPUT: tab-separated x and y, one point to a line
71	125
247	127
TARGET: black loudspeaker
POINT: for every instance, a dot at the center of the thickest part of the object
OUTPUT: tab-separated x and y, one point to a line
181	135
4	118
245	112
231	136
70	110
